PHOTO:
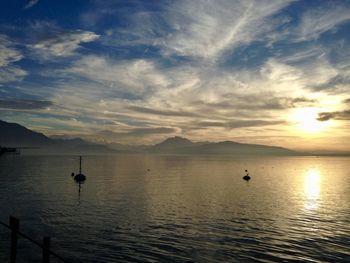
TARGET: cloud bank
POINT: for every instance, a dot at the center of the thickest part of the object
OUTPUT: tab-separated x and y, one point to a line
213	70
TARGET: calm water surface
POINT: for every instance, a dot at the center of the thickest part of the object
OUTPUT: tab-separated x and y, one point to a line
195	209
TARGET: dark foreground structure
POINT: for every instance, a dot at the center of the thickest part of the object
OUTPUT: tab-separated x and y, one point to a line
13	150
15	234
10	150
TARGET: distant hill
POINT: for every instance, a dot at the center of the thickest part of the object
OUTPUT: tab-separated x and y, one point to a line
179	145
174	142
12	134
235	148
15	135
172	145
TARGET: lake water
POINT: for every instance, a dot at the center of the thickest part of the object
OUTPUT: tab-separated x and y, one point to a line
195	209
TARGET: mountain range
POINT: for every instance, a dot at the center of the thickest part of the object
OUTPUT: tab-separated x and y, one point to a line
15	135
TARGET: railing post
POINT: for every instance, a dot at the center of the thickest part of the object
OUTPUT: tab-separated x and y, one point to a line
46	249
14	225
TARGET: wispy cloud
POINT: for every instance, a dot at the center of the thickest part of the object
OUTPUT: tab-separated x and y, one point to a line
323	19
18	104
8	53
309	74
146	110
8	56
206	29
11	73
235	124
134	77
61	43
30	4
336	115
310	53
200	29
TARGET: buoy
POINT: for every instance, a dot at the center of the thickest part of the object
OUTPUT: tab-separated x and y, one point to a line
246	177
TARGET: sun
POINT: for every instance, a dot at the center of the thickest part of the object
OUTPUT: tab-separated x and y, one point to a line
306	120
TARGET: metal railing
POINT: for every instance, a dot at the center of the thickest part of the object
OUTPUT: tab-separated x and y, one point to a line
15	233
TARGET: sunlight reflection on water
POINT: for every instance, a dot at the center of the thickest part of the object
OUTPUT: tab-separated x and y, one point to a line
312	189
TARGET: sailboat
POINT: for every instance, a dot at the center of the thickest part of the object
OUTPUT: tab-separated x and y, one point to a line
79	178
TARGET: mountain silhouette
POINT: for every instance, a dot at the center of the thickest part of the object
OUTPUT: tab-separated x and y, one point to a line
235	148
179	145
13	134
173	142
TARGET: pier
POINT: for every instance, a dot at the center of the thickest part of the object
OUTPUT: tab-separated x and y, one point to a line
13	150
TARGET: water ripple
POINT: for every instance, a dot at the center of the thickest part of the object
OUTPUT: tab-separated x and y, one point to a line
189	209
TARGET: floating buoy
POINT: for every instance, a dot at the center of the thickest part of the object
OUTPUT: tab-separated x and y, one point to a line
246	177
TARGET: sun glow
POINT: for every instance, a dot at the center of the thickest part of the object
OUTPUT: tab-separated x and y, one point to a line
306	120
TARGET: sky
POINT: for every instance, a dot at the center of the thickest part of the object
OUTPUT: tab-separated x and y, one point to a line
137	72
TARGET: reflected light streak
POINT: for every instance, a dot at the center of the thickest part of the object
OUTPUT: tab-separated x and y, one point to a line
312	188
